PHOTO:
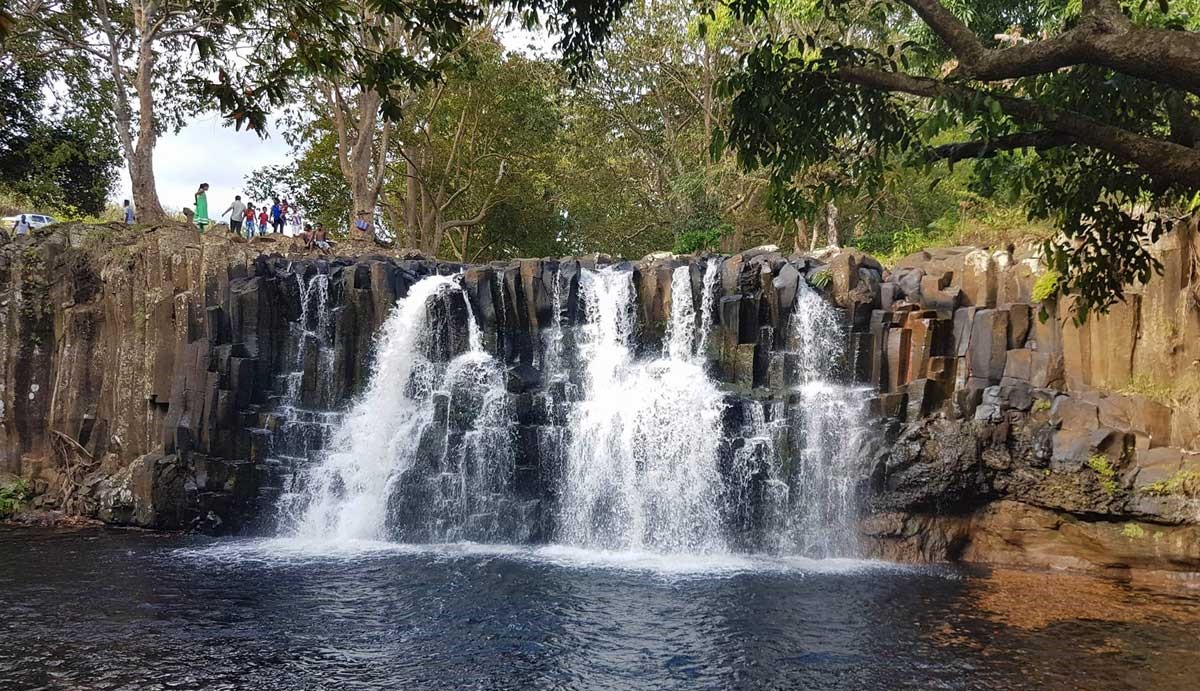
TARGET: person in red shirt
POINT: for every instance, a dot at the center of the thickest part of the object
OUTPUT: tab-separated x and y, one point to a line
249	221
263	219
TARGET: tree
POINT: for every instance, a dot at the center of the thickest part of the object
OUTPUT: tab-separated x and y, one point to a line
312	182
640	127
56	153
140	51
1089	111
483	136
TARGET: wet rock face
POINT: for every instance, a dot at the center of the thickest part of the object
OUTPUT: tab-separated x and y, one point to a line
174	363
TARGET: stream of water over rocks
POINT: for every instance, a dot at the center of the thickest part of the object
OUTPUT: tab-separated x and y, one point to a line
112	610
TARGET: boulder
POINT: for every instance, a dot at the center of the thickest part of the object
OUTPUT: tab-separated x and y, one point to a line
989	344
1073	414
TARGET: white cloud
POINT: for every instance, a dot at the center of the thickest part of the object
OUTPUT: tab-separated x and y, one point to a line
206	151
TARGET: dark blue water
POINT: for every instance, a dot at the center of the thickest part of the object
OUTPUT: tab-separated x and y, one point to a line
107	610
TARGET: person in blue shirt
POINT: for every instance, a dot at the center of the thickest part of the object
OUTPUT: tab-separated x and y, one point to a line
276	216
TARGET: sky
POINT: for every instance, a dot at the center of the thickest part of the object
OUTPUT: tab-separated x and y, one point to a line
207	151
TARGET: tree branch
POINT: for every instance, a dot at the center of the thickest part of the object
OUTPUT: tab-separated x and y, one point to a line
988	148
961	40
1103	37
1168	161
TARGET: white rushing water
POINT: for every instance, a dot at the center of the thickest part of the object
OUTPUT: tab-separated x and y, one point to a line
347	492
634	445
304	419
712	274
642	463
830	421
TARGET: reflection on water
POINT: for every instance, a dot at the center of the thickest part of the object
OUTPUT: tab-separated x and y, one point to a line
103	610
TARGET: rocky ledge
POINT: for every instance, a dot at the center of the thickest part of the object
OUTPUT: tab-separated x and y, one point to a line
146	371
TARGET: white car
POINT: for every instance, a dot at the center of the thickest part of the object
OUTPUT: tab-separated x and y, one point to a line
34	220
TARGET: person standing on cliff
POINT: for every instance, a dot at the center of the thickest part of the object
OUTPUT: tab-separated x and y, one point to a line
201	212
263	220
276	216
283	217
128	213
21	226
249	221
236	211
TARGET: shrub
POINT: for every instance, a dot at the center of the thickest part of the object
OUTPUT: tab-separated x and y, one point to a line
1133	531
1105	473
820	279
12	497
1046	286
694	240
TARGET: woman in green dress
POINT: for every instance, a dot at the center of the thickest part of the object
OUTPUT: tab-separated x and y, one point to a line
202	206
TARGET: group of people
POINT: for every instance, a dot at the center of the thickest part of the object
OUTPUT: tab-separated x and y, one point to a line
246	218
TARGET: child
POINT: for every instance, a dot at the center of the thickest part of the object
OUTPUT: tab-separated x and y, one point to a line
263	219
249	220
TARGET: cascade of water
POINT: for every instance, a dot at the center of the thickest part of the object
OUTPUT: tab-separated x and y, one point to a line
304	420
830	420
712	274
641	467
552	340
681	330
403	421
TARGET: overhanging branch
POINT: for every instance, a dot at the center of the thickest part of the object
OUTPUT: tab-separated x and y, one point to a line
988	148
1103	37
1167	161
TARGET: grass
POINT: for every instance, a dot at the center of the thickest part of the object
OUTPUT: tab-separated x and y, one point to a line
1180	393
1041	405
1105	473
976	222
821	278
1185	483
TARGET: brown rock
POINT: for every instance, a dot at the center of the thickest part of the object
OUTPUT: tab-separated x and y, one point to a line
1073	414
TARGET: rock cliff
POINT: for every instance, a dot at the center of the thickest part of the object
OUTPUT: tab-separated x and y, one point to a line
156	377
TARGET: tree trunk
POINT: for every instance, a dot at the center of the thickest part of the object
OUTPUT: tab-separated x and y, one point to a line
801	237
831	224
412	187
139	156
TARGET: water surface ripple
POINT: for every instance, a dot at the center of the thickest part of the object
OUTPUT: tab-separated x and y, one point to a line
110	610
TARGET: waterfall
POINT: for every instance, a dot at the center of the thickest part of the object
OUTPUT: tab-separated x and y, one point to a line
828	423
641	466
607	448
712	274
402	421
303	421
680	343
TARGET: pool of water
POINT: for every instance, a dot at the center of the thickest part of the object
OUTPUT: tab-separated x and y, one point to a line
120	610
